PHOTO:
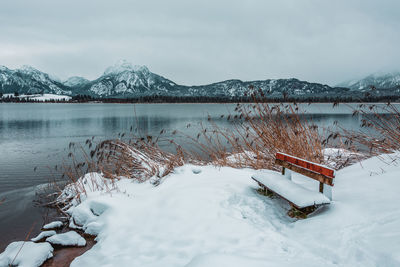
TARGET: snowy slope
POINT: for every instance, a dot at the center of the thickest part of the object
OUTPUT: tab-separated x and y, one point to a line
28	80
271	88
207	216
381	81
75	81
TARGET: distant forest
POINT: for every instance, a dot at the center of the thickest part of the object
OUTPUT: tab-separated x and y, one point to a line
205	99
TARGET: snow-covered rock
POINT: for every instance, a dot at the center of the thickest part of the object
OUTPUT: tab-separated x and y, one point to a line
43	235
93	228
53	225
26	254
70	238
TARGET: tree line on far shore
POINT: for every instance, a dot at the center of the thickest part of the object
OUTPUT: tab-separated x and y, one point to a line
15	98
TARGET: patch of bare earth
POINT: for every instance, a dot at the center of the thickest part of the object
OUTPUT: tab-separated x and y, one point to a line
63	256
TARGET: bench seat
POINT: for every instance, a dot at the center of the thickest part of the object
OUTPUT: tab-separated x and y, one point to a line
299	196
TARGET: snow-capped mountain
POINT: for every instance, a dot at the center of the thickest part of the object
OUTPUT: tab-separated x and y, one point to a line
380	81
271	88
127	80
28	80
124	80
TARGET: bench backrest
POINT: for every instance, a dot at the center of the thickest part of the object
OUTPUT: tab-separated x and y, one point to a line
316	171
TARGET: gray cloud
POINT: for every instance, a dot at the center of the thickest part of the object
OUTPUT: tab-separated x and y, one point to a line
198	42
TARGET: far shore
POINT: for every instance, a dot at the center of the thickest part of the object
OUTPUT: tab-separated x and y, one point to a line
233	102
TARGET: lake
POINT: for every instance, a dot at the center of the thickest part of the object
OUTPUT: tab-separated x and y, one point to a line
37	135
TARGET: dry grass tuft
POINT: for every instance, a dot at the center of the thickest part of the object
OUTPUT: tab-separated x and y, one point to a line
259	131
382	128
139	159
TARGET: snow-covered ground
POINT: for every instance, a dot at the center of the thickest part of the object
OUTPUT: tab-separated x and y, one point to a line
207	216
42	97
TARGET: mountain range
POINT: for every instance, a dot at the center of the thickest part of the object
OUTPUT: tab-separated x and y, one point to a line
378	81
124	80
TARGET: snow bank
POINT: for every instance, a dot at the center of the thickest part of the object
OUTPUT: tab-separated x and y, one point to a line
70	238
30	255
215	216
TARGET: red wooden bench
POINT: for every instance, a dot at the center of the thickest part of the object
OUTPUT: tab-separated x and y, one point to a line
297	195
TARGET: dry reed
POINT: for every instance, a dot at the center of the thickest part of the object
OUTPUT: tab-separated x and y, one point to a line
381	124
257	132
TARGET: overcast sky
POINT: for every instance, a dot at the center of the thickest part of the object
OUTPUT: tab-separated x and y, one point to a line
199	42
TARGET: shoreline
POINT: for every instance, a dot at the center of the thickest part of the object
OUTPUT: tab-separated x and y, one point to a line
63	256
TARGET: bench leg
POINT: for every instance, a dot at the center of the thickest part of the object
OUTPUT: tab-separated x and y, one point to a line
301	213
266	191
328	191
287	173
269	192
297	213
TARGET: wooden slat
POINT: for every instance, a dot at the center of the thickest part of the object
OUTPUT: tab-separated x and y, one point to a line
306	165
317	176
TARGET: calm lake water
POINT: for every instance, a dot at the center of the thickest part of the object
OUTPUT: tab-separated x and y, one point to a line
37	135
